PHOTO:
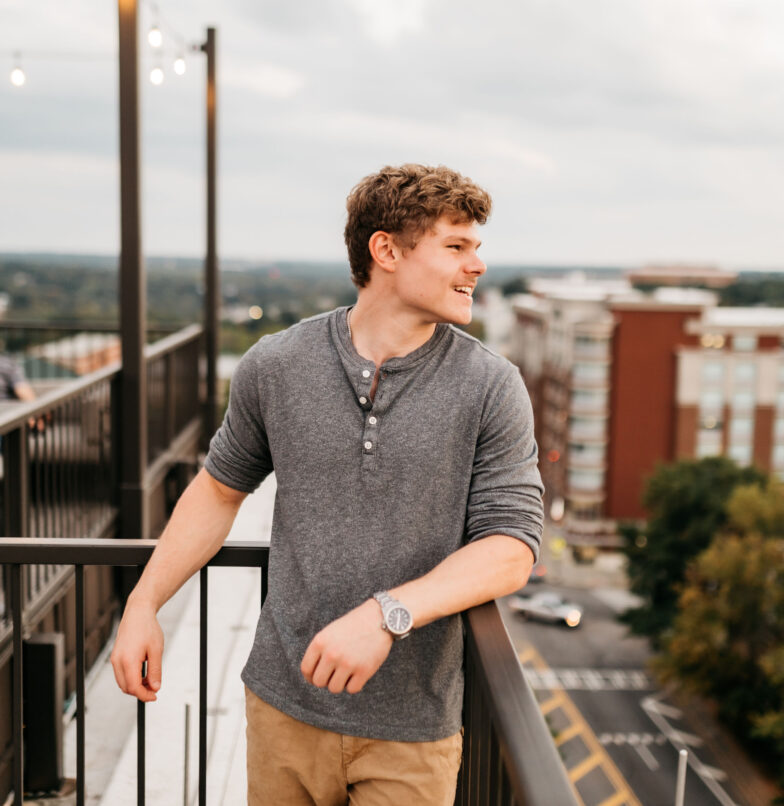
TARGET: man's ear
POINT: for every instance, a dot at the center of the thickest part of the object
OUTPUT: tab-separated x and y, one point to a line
384	250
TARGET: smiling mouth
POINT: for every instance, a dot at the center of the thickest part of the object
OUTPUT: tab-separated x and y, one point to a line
465	290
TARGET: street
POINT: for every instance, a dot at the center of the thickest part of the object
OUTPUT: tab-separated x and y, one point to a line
617	733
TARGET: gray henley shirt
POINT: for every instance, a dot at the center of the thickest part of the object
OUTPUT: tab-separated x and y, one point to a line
372	494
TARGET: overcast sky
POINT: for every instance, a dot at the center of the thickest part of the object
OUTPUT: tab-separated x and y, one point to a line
607	131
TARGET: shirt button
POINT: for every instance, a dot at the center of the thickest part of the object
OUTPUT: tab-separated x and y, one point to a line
372	420
365	373
368	446
363	400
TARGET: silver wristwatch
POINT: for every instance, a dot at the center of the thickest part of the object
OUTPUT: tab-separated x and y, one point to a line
397	618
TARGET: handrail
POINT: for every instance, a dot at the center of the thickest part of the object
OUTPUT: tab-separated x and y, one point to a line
536	773
170	343
68	324
502	714
23	412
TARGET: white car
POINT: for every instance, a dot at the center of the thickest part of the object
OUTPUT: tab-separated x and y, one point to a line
547	607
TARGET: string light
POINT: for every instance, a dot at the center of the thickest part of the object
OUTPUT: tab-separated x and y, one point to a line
155	37
179	65
156	75
18	77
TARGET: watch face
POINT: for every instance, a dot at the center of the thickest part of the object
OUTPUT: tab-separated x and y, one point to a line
398	620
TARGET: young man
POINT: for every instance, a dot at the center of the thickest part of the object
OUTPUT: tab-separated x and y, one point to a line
407	491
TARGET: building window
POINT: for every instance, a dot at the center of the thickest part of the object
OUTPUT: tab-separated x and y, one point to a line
592	373
712	371
589	401
708	442
586	454
744	343
740	453
744	372
742	401
741	428
586	480
778	457
778	428
711	400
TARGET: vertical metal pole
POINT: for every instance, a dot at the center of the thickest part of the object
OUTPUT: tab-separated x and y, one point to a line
187	762
16	604
80	710
212	291
680	786
203	687
133	508
17	483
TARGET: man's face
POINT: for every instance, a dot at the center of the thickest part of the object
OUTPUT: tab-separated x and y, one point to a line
436	279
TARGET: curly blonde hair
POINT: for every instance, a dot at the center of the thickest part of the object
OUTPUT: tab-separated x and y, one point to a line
406	201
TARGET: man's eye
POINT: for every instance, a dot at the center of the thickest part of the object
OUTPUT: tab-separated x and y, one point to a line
455	246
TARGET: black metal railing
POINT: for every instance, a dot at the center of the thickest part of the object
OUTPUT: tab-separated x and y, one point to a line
60	453
508	757
56	351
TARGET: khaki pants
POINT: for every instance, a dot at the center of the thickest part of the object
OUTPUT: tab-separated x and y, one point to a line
292	763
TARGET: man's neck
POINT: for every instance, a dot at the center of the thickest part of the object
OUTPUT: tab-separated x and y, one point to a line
381	332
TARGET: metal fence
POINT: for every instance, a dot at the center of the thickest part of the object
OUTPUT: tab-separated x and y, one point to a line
509	758
59	456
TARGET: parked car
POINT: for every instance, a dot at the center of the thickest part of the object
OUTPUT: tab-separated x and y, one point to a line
550	607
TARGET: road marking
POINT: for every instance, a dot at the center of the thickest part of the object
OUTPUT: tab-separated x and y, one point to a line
658	712
645	754
614	800
585	766
588	679
550	705
624	793
632	738
564	736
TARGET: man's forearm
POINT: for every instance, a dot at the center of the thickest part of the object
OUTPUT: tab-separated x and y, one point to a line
196	530
486	569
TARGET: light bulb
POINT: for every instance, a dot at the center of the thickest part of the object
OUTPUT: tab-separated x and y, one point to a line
17	77
179	66
156	75
155	37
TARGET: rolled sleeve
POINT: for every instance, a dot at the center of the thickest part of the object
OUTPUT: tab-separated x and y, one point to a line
506	490
239	454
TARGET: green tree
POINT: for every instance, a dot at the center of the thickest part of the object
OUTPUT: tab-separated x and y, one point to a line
727	640
687	505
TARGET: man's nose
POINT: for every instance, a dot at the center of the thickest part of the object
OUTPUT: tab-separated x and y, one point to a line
476	266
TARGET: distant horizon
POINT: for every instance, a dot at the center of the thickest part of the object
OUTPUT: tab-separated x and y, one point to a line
243	262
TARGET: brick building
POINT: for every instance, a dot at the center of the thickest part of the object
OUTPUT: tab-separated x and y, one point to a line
623	380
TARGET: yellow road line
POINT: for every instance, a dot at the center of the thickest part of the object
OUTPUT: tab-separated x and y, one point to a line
526	655
585	766
595	749
550	705
615	800
570	732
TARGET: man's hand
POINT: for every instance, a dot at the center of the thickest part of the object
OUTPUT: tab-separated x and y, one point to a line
139	639
349	651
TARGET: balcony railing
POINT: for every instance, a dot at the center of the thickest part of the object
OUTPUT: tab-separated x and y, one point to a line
59	471
508	753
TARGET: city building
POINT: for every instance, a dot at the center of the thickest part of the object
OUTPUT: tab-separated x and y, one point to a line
623	380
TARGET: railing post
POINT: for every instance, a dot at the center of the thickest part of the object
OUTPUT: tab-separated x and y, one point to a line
203	582
133	500
17	483
18	709
170	396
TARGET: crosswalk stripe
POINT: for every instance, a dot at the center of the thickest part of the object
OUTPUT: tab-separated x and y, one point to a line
588	679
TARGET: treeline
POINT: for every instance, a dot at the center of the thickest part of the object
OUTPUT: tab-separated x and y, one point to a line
41	290
709	567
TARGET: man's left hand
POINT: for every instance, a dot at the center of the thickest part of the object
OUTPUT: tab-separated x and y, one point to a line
349	651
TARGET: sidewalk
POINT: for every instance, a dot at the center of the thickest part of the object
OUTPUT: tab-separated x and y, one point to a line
234	595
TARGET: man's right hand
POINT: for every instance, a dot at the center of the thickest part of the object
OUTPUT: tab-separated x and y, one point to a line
139	639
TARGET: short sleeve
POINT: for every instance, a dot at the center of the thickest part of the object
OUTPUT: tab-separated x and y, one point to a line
239	454
506	490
